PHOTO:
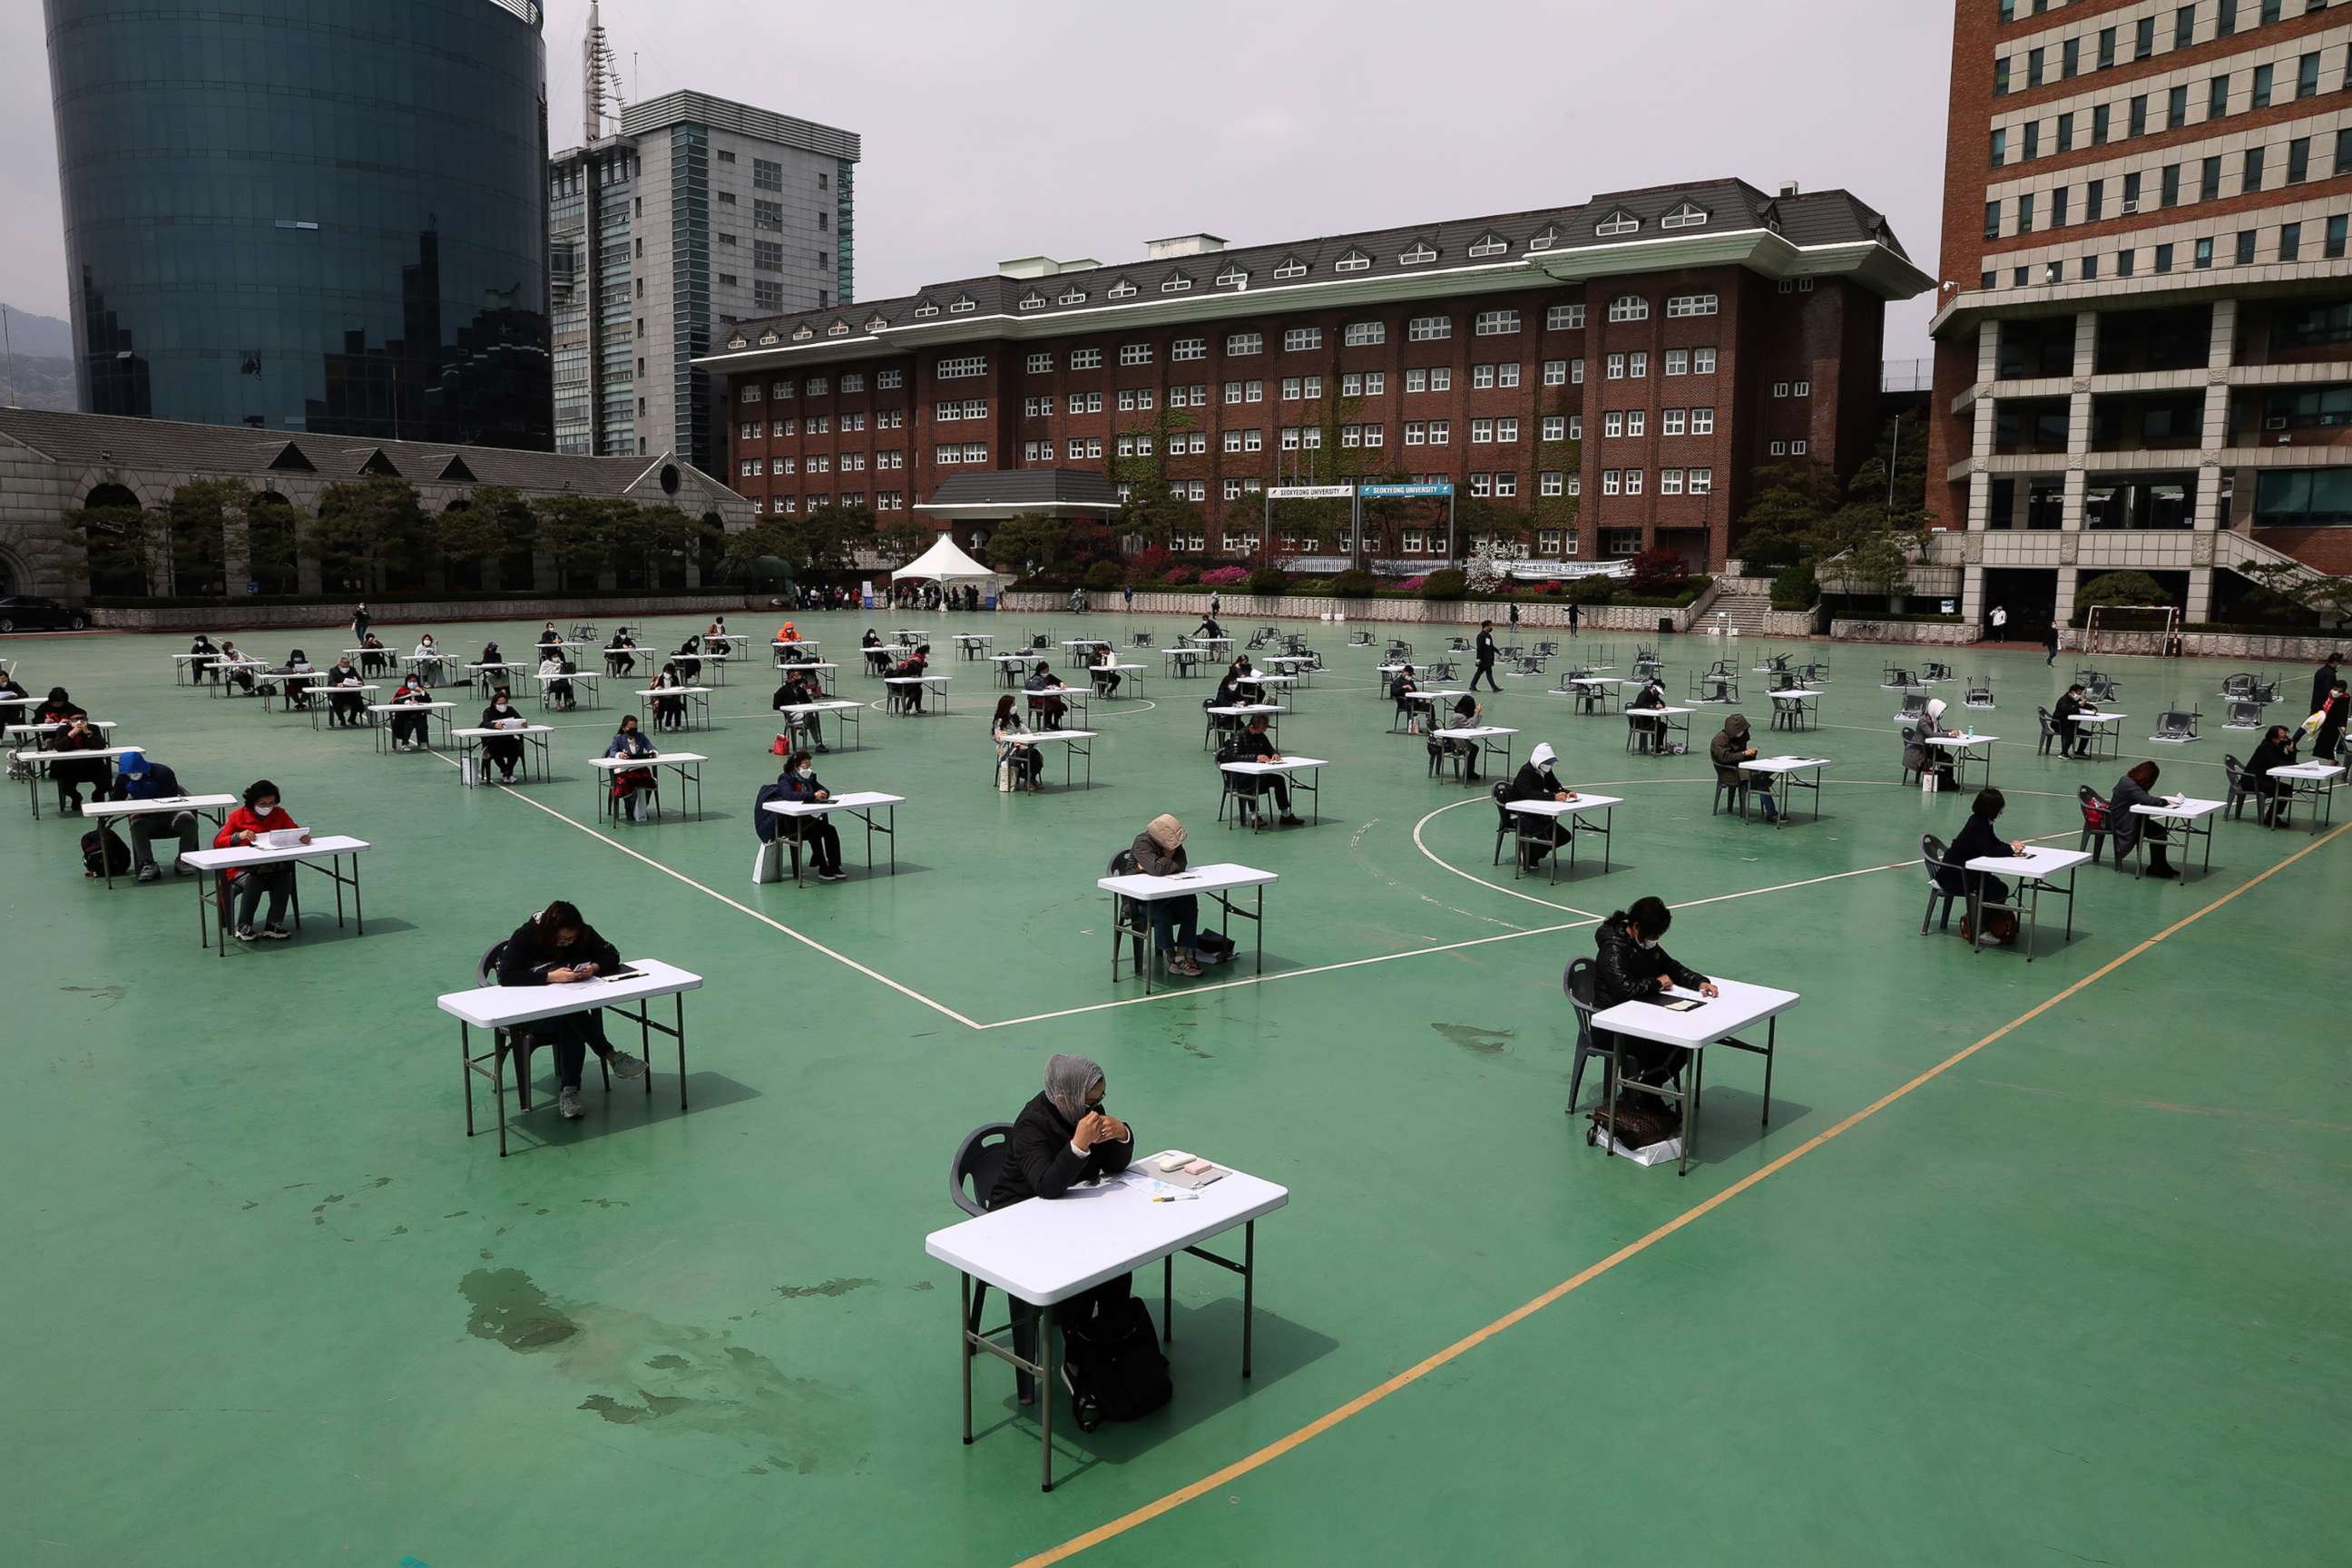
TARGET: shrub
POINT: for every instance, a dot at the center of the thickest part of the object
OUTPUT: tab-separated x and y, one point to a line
1104	577
1595	590
1224	577
1269	582
1446	583
1354	584
1315	585
1411	585
1148	567
1659	570
1177	577
1795	588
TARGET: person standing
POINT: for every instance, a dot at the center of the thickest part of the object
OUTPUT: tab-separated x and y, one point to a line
1485	653
2050	642
1126	597
1999	622
1515	618
2324	681
1574	615
2334	711
360	625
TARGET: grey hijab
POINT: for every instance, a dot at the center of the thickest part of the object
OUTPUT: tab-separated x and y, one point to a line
1069	1080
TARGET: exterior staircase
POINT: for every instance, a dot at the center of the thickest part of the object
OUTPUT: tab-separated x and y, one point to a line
1741	602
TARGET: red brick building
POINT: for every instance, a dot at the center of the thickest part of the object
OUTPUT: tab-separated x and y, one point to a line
2144	340
1641	354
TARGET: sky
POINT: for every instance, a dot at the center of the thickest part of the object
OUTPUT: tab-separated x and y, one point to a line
1071	129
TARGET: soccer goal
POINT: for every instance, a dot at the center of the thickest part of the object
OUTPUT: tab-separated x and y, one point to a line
2119	622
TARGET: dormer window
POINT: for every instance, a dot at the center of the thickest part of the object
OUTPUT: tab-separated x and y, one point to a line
1421	255
737	342
1619	221
769	338
962	303
1354	261
1033	300
1072	296
1122	289
1544	241
926	310
1176	284
804	333
1289	266
1232	278
1687	215
877	323
1489	243
838	329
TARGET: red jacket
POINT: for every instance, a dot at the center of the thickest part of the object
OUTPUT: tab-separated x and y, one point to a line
243	820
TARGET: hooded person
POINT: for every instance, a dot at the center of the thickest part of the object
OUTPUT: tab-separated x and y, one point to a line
1728	751
1159	851
1061	1138
1923	759
136	777
1538	836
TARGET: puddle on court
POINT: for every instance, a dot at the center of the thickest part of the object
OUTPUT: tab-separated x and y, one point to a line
1478	1042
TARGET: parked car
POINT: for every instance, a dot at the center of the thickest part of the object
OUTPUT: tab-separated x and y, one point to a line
29	613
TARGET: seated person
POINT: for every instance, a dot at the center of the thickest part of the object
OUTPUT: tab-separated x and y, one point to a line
411	730
93	773
344	698
1649	734
136	778
548	636
2073	741
620	654
2277	749
260	814
1538	836
2137	788
1402	690
1977	840
878	652
1254	745
57	708
1159	851
688	661
1061	1138
1464	714
203	665
9	688
1042	680
234	668
1106	672
816	834
505	750
374	658
298	692
1924	759
558	947
552	684
1728	751
716	638
1630	964
631	786
916	663
669	710
1023	760
799	690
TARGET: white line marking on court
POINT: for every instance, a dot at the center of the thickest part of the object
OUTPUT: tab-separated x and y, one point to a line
1494	887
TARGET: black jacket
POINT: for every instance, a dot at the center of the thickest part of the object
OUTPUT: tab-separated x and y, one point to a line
1039	1162
1486	647
2068	706
2128	823
1624	970
2323	681
1532	782
492	717
2268	756
1977	839
1253	745
526	962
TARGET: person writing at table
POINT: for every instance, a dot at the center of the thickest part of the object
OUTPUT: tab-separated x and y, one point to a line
1978	839
1025	762
373	658
204	653
619	656
1042	682
57	707
816	834
1629	965
505	750
2073	742
1539	836
1924	759
1254	745
916	663
799	690
878	652
491	661
260	814
137	778
1159	851
2137	788
342	693
1061	1138
2277	749
630	786
71	778
1649	734
669	710
9	688
234	666
1728	751
687	660
409	729
551	683
558	947
1465	714
715	636
1400	690
1106	672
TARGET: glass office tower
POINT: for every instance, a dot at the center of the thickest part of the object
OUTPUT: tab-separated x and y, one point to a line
309	214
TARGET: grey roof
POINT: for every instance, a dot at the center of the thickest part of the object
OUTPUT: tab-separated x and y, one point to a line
1821	218
1025	486
85	440
688	107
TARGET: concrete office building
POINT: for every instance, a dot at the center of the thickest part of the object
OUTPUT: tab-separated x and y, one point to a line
2144	344
308	216
1643	352
705	213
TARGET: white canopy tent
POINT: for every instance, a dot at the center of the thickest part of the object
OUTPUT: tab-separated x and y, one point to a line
944	562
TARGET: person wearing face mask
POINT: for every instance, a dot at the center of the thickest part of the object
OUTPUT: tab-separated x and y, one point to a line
1539	836
552	671
1041	686
1464	714
816	834
505	750
1024	763
799	689
1629	965
558	947
1063	1137
260	814
1728	751
430	664
630	785
409	730
93	773
620	654
2073	744
1649	734
1922	758
343	698
1159	851
2276	750
234	668
374	658
1106	672
138	778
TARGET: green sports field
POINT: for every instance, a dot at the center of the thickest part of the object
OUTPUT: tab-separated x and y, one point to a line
2036	1263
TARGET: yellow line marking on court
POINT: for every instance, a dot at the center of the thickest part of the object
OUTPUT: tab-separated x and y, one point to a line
1423	1368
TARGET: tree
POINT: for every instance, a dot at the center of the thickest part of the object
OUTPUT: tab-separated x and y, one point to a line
1659	571
1028	541
372	532
1789	502
901	539
485	526
576	531
119	543
274	527
199	516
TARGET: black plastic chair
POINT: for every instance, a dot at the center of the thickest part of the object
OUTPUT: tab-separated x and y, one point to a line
971	1177
1727	795
1931	853
2098	823
516	1045
2241	788
1577	983
2049	728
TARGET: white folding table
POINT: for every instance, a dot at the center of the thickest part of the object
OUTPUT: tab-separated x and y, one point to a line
1220	881
473	747
1715	1021
1592	692
575	679
34	761
435	712
2185	817
1485	737
1073	743
1656	742
1281	767
846	716
2105	727
216	899
294	686
1784	771
501	1008
1010	668
1126	672
156	806
972	645
2317	780
323	699
2035	872
859	804
695	701
1239	714
1577	826
686	765
1795	708
1044	1251
1964	750
900	683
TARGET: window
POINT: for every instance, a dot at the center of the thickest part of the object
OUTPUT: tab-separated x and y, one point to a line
2298	160
2184	26
766	215
1628	307
2209	179
1189	349
1354	261
1038	363
749	394
887	380
1677	362
2290	241
1416	432
1086	359
2306	76
1135	353
1702	361
1244	343
1482	484
2025	213
1441	432
1670	482
1613	423
1701	481
1702	421
1637	422
1130	400
1482	432
2163	258
1083	402
1637	366
1576	373
2034	67
1298	340
2066	132
2336	237
1576	426
1554	428
2099	121
1555	373
959	368
1691	305
1619	221
2144	37
1091	446
1428	329
2263	77
1564	317
1801	389
1612	482
1122	289
2217	97
1632	481
820	424
2032	139
2250	178
2343	152
1176	285
1363	334
1549	483
1616	367
2137	118
1494	324
1289	266
2001	76
2245	252
1999	147
1671	421
2175	108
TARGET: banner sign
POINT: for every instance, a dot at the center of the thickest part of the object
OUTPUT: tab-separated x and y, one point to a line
1310	492
1397	492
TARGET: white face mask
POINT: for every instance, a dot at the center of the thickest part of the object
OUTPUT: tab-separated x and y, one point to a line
807	773
1647	943
265	811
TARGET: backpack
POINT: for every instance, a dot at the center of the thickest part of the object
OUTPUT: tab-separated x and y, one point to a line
1114	1366
765	822
103	854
